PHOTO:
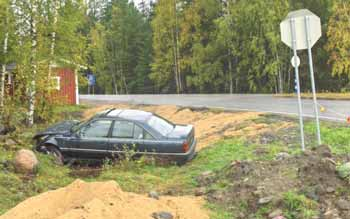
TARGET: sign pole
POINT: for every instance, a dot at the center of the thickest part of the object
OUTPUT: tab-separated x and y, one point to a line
294	42
307	26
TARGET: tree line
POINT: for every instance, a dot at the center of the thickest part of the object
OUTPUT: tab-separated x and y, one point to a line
213	46
166	46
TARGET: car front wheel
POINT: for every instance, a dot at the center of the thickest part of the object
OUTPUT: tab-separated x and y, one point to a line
55	153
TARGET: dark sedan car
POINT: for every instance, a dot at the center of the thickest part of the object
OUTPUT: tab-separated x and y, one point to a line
114	132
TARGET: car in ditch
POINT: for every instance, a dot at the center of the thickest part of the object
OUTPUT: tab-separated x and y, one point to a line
114	132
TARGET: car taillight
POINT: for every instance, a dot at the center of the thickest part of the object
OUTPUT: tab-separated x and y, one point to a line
185	146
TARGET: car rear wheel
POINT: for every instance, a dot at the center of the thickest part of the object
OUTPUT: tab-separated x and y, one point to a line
55	153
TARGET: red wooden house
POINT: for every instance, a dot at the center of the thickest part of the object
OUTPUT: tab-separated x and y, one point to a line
66	86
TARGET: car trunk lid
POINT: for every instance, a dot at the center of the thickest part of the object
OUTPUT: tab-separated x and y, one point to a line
185	133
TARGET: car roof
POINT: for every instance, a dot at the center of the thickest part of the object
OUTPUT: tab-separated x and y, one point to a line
129	114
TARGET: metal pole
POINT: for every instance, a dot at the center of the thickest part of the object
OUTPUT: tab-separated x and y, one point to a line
294	42
307	26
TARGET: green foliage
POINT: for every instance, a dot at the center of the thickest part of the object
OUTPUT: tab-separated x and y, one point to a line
31	27
120	49
338	39
344	170
298	206
164	44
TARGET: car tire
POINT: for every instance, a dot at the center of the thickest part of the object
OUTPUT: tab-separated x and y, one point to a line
55	153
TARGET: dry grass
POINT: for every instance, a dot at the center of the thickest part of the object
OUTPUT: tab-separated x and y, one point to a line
210	126
324	96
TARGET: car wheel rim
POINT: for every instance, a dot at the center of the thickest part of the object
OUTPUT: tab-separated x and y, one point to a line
55	155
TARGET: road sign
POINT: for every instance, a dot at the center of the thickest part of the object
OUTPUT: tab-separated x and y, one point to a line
91	79
297	61
300	29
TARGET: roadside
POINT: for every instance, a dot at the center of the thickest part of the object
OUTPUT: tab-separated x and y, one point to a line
228	140
321	96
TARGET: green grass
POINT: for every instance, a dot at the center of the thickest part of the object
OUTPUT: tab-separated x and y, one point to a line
337	136
141	177
178	177
218	212
298	206
14	188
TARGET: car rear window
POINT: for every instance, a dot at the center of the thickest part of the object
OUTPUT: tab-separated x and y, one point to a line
161	125
123	129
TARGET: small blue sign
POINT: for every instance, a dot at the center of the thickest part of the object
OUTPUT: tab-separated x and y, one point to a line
91	79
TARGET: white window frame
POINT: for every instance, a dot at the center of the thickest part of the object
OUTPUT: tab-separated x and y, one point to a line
56	82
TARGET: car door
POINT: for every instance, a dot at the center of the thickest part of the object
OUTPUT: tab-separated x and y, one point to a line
92	140
125	136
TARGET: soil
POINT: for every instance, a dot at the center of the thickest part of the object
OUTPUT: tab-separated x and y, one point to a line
210	125
312	174
103	200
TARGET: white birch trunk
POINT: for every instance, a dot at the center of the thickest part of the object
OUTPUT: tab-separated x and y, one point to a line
2	93
2	81
176	70
32	86
230	71
53	39
77	100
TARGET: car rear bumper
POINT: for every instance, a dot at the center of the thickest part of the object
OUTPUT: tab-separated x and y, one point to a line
178	157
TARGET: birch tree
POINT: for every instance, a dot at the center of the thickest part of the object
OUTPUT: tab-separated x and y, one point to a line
165	26
33	59
5	27
55	8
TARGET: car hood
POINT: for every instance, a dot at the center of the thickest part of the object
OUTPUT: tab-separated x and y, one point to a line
180	131
59	128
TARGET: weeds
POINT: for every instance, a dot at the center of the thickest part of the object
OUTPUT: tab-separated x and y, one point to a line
298	206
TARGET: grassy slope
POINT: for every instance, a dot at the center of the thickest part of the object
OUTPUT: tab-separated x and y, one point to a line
141	177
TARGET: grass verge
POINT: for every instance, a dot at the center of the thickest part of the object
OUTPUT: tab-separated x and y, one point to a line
324	96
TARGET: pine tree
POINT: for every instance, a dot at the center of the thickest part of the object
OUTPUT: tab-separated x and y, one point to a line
120	49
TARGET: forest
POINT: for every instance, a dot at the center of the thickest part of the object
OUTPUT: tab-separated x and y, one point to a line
164	46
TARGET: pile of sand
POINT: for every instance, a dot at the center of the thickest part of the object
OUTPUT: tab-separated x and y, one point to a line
210	126
103	200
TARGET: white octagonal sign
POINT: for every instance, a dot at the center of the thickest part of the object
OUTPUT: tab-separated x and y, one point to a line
300	18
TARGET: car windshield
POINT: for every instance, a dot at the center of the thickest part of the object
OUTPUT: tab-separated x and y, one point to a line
77	126
161	125
80	124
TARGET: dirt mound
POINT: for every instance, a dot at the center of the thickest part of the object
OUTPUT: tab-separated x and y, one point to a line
211	126
102	200
312	174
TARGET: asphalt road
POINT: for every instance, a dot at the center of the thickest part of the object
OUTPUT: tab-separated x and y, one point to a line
336	110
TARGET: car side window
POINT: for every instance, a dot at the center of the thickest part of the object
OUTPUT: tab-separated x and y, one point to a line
123	129
148	136
138	132
96	129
